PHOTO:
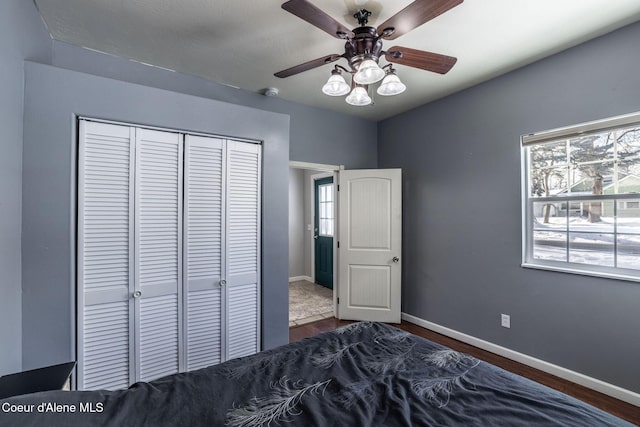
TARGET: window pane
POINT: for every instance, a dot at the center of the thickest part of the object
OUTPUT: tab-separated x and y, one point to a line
628	222
628	158
591	147
591	248
548	167
628	219
595	155
549	216
593	216
626	184
629	251
325	193
549	245
326	227
594	178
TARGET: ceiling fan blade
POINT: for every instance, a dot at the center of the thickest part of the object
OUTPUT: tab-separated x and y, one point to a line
429	61
414	15
307	66
305	10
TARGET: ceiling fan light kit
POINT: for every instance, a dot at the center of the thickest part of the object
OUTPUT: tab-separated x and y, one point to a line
363	49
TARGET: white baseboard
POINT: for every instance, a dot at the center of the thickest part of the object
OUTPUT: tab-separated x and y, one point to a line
576	377
298	278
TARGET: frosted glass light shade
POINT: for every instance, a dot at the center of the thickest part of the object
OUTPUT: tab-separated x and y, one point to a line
358	97
336	86
369	72
391	85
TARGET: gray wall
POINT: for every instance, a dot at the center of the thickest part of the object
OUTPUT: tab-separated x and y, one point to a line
22	35
52	97
317	135
296	222
462	207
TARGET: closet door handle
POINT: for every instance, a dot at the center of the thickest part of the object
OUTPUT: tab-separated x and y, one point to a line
223	282
137	294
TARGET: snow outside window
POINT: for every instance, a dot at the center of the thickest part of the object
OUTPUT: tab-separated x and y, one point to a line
581	198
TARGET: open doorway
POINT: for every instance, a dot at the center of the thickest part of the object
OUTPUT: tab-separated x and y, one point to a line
312	212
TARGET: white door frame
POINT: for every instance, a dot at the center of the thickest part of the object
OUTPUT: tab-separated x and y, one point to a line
324	171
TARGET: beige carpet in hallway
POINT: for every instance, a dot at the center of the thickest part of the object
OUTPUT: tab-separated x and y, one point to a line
309	302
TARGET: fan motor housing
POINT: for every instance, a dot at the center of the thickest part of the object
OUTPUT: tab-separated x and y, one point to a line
364	44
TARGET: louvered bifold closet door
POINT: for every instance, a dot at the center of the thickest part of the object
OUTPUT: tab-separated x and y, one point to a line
243	248
158	229
203	251
105	254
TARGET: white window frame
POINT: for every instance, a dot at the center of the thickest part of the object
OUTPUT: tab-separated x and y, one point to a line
527	201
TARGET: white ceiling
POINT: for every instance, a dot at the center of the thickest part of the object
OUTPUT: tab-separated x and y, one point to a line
243	43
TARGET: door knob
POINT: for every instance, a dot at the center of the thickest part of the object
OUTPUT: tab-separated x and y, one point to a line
395	259
315	236
137	294
223	282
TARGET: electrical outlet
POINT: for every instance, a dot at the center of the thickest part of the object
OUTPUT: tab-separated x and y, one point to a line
505	320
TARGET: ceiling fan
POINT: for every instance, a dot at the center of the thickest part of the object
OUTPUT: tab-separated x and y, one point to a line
363	48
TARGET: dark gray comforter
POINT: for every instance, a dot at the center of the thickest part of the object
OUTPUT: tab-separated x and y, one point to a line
365	374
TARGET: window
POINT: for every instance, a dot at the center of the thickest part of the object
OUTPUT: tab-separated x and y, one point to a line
581	198
325	205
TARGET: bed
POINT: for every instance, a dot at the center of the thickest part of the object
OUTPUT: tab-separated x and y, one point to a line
363	374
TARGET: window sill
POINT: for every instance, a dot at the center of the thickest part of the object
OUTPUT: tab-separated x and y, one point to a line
581	272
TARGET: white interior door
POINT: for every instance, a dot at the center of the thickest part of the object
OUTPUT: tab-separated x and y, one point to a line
370	242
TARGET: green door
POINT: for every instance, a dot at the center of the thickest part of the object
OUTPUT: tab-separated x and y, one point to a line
323	231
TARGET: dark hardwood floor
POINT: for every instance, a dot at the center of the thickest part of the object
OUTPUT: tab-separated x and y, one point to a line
614	406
